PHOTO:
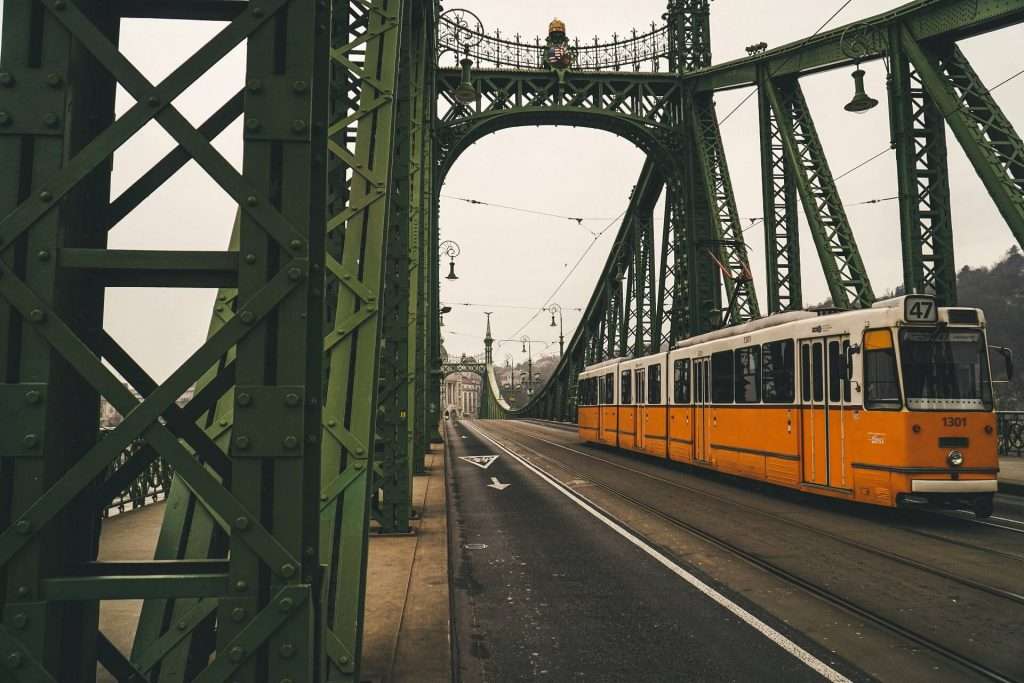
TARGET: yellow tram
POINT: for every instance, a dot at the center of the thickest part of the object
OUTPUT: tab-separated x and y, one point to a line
890	405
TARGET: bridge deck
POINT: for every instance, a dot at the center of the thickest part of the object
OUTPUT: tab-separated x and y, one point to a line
407	613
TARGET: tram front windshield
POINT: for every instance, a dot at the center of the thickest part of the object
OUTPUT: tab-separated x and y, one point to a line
945	369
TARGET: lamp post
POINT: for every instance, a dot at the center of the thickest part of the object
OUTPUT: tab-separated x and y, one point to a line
553	309
528	349
511	372
451	249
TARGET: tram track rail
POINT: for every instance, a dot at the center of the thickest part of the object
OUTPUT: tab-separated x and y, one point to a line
752	558
937	513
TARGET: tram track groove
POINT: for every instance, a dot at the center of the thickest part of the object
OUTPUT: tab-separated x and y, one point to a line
948	514
768	566
921	566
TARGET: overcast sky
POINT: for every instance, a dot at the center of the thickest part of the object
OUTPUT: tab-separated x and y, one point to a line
512	259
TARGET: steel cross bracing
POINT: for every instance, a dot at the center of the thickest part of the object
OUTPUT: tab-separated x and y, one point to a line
60	64
837	248
919	137
781	222
932	82
296	435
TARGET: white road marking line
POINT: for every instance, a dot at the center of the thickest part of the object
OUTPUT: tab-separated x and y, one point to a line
820	667
481	461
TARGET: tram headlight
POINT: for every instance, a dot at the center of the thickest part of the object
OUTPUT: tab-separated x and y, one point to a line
955	458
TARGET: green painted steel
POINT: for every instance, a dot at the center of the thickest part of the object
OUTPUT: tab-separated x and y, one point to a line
840	258
265	589
317	390
779	203
919	138
986	135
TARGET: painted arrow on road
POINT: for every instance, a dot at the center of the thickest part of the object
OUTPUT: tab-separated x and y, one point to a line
495	484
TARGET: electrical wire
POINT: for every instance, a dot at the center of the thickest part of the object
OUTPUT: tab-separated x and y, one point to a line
478	202
785	62
571	271
523	308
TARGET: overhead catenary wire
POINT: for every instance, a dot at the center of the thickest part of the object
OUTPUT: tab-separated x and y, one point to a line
785	61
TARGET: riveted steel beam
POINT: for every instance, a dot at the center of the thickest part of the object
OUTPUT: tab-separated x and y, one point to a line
840	258
731	250
919	137
781	222
986	135
940	20
364	115
273	342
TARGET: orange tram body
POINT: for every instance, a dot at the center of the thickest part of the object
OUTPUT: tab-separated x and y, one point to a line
890	405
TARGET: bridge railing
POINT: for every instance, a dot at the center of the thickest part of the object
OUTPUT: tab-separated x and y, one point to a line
148	487
1010	430
635	51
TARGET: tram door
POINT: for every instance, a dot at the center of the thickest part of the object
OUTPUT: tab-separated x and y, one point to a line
640	400
825	395
701	410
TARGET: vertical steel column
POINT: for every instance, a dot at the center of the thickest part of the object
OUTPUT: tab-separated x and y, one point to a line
422	203
986	135
704	277
919	137
781	222
367	39
673	294
269	504
731	249
392	489
837	249
55	100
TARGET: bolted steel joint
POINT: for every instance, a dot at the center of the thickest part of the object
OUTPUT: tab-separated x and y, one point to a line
287	650
13	660
238	615
6	79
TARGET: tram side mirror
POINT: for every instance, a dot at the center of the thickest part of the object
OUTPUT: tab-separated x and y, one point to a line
1007	354
848	360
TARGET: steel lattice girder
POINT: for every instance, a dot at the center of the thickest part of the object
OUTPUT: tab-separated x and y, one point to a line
278	309
919	137
837	248
596	338
781	222
731	249
362	134
986	135
644	98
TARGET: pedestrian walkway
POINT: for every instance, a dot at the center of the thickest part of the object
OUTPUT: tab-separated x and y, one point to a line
406	636
1011	475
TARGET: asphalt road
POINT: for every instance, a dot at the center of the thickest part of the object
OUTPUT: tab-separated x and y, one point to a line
544	590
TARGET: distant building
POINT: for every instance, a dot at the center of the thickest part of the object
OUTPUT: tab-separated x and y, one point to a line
110	418
461	394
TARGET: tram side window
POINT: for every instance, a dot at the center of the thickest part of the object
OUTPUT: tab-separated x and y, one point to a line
681	381
881	381
653	385
722	377
640	383
778	372
626	389
609	390
748	362
585	392
805	374
835	372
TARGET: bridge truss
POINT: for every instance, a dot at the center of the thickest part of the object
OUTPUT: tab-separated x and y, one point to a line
316	393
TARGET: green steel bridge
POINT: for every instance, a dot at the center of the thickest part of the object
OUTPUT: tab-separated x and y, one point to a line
316	392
